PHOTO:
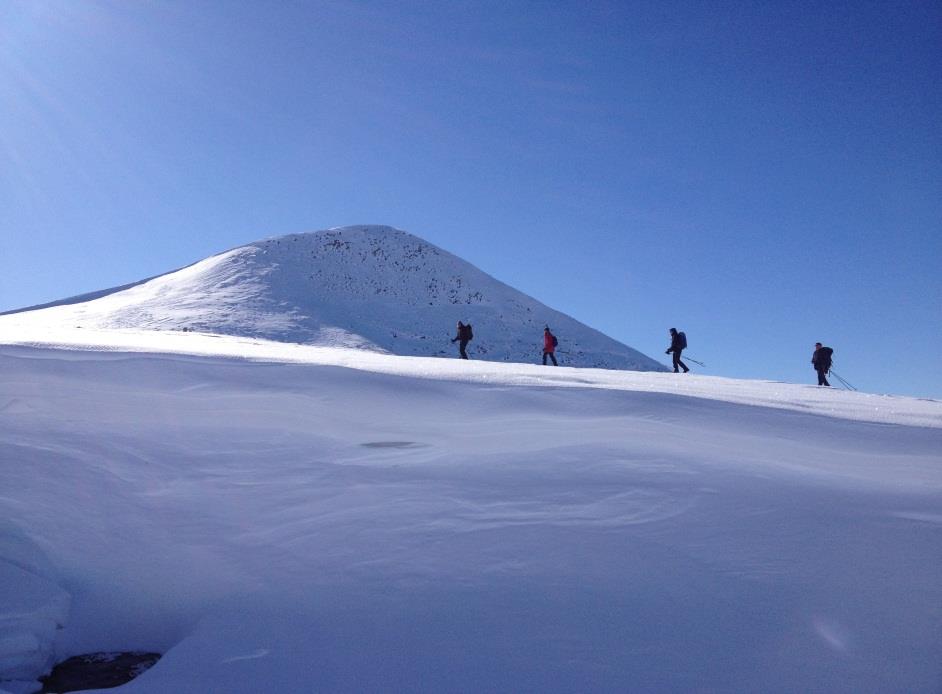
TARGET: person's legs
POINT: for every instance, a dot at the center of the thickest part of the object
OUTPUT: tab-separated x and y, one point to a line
553	357
461	346
822	378
678	362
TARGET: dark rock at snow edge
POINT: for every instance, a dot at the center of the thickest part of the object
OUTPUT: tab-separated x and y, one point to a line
97	671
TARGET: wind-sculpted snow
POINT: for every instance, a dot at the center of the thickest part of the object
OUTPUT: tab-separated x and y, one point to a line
368	287
341	521
33	607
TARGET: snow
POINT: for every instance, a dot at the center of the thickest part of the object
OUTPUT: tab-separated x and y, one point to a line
278	517
886	409
368	287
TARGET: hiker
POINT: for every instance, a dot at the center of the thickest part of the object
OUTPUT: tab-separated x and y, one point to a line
678	345
549	346
463	337
821	360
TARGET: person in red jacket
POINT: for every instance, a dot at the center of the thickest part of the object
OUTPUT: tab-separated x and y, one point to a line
549	346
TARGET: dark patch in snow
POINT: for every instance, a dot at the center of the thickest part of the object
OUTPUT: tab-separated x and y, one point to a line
393	444
97	671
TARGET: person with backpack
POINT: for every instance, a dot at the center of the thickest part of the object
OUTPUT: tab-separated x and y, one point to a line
464	336
678	345
821	361
549	346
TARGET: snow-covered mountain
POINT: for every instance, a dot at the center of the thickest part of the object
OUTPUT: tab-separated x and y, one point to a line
370	287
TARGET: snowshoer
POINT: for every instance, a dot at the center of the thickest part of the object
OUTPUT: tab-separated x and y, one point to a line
821	360
678	345
463	337
549	346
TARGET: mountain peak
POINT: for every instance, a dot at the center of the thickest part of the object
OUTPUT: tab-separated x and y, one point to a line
365	286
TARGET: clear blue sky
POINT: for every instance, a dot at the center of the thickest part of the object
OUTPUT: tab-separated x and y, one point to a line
761	175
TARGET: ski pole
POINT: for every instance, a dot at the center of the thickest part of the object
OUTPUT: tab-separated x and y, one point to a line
843	382
694	361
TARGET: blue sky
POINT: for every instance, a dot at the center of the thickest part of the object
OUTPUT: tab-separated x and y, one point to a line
760	175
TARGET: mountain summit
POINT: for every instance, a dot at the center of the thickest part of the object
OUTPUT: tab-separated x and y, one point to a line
369	287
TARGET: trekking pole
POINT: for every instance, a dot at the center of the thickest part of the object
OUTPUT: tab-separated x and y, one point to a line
694	361
847	385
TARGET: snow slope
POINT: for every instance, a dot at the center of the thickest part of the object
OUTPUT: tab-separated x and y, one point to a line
293	519
369	287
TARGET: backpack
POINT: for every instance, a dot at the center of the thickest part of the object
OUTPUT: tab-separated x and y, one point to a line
555	341
683	340
469	335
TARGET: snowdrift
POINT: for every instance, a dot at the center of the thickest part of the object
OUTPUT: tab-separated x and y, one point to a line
293	519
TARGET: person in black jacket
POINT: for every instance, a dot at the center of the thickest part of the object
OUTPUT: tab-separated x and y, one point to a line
463	338
678	344
821	360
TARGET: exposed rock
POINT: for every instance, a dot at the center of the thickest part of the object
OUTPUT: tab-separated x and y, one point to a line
97	671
